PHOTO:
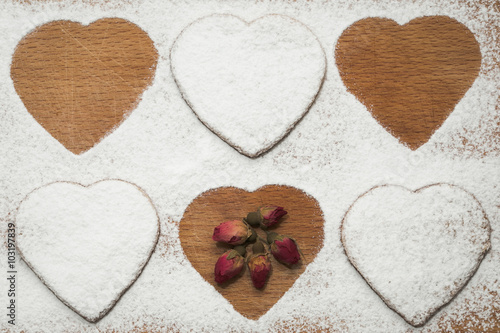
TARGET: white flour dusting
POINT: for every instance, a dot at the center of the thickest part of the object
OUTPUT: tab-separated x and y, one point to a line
416	249
88	244
337	152
251	110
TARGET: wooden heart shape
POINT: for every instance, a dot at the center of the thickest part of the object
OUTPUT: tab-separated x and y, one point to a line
409	77
249	83
304	223
416	249
78	81
87	244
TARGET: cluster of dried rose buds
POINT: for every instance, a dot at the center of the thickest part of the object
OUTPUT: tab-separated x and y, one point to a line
241	233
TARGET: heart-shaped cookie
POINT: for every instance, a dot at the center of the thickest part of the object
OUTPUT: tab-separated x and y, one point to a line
88	245
304	222
409	77
80	82
249	83
416	249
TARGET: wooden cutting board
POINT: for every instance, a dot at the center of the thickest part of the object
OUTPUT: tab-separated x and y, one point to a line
76	57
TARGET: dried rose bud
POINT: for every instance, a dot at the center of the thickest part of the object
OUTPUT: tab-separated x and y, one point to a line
253	237
259	266
253	218
233	232
228	266
284	248
271	215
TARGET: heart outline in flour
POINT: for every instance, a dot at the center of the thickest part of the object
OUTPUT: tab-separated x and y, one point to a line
410	88
74	81
305	223
138	272
419	320
269	142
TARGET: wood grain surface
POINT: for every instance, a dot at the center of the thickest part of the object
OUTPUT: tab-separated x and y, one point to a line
304	222
78	107
80	82
409	77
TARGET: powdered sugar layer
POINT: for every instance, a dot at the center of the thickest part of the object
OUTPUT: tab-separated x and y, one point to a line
249	109
336	153
416	249
87	244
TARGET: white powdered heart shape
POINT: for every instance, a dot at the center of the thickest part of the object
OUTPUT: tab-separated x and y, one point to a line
249	83
416	249
88	245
